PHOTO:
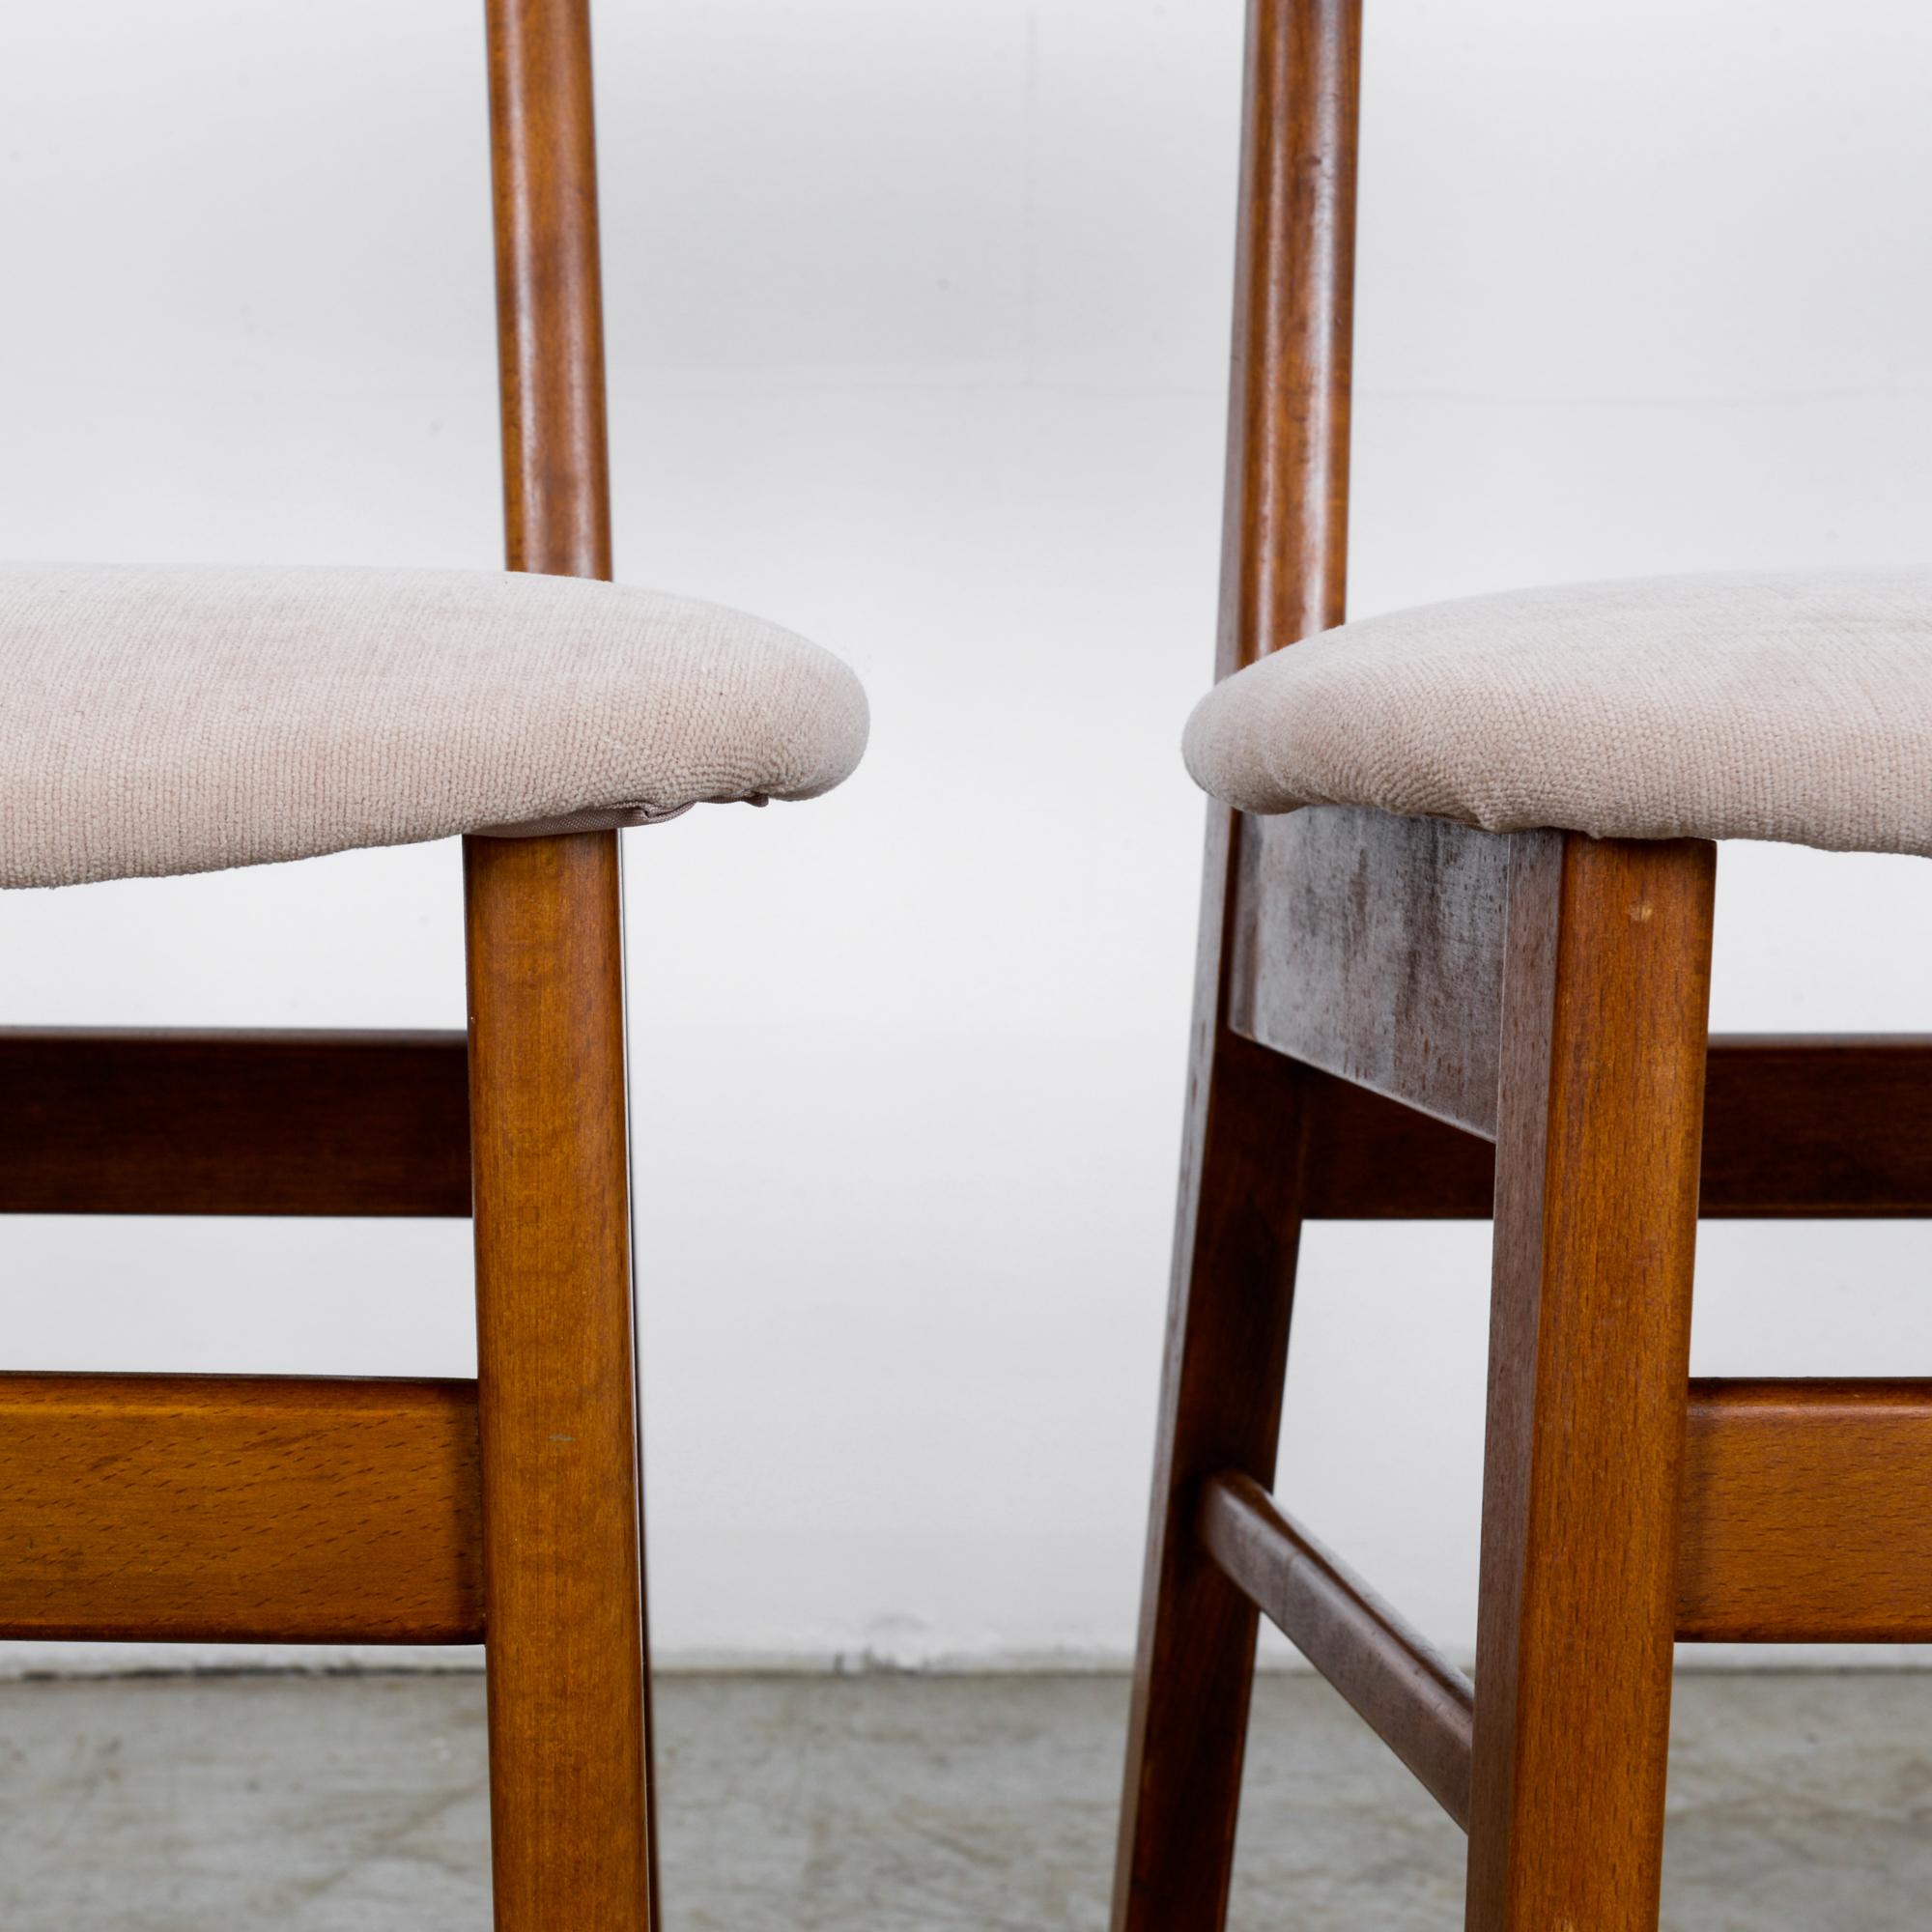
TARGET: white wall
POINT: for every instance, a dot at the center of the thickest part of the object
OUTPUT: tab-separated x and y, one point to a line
918	329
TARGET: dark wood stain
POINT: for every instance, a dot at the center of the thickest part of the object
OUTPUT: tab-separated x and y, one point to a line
550	301
1420	1705
242	1123
1349	917
1238	1221
1818	1126
1794	1127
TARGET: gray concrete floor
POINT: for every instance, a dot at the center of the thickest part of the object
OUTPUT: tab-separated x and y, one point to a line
890	1804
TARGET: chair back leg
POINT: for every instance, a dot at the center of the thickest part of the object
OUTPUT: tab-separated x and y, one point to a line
1283	550
572	1833
1237	1236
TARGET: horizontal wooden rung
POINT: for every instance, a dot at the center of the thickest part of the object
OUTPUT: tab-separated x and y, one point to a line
1807	1513
1417	1703
236	1123
239	1509
1795	1127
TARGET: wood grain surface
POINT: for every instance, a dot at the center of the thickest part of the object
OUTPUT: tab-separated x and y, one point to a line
1417	1702
1796	1126
550	300
572	1828
1372	946
563	1536
1807	1513
237	1123
1605	1007
239	1509
1238	1218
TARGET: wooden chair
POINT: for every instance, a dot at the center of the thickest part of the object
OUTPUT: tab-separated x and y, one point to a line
506	1510
1401	1017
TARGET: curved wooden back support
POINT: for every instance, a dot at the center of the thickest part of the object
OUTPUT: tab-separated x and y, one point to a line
1285	544
549	310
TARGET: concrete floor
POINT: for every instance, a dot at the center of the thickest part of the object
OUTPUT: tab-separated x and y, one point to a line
889	1804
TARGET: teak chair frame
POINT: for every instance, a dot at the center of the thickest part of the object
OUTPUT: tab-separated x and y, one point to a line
506	1510
1402	1018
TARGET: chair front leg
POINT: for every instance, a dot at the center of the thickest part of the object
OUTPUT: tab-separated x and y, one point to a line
572	1833
1605	1002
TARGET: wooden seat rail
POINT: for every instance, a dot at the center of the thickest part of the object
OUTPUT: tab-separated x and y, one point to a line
378	1123
234	1123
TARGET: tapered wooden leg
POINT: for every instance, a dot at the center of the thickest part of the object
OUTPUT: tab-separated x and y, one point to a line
571	1827
1237	1230
1606	993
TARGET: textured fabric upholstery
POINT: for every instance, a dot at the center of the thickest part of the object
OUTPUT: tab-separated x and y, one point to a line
157	721
1789	706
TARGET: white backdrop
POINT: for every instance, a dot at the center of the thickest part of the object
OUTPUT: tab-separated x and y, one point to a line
918	325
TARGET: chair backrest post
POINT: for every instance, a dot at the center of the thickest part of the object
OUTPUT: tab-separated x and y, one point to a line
550	323
1284	554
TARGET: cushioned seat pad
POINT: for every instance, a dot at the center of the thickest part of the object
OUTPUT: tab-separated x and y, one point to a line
1786	706
157	721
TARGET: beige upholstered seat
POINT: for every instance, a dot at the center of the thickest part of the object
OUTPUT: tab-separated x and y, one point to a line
157	720
1789	706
